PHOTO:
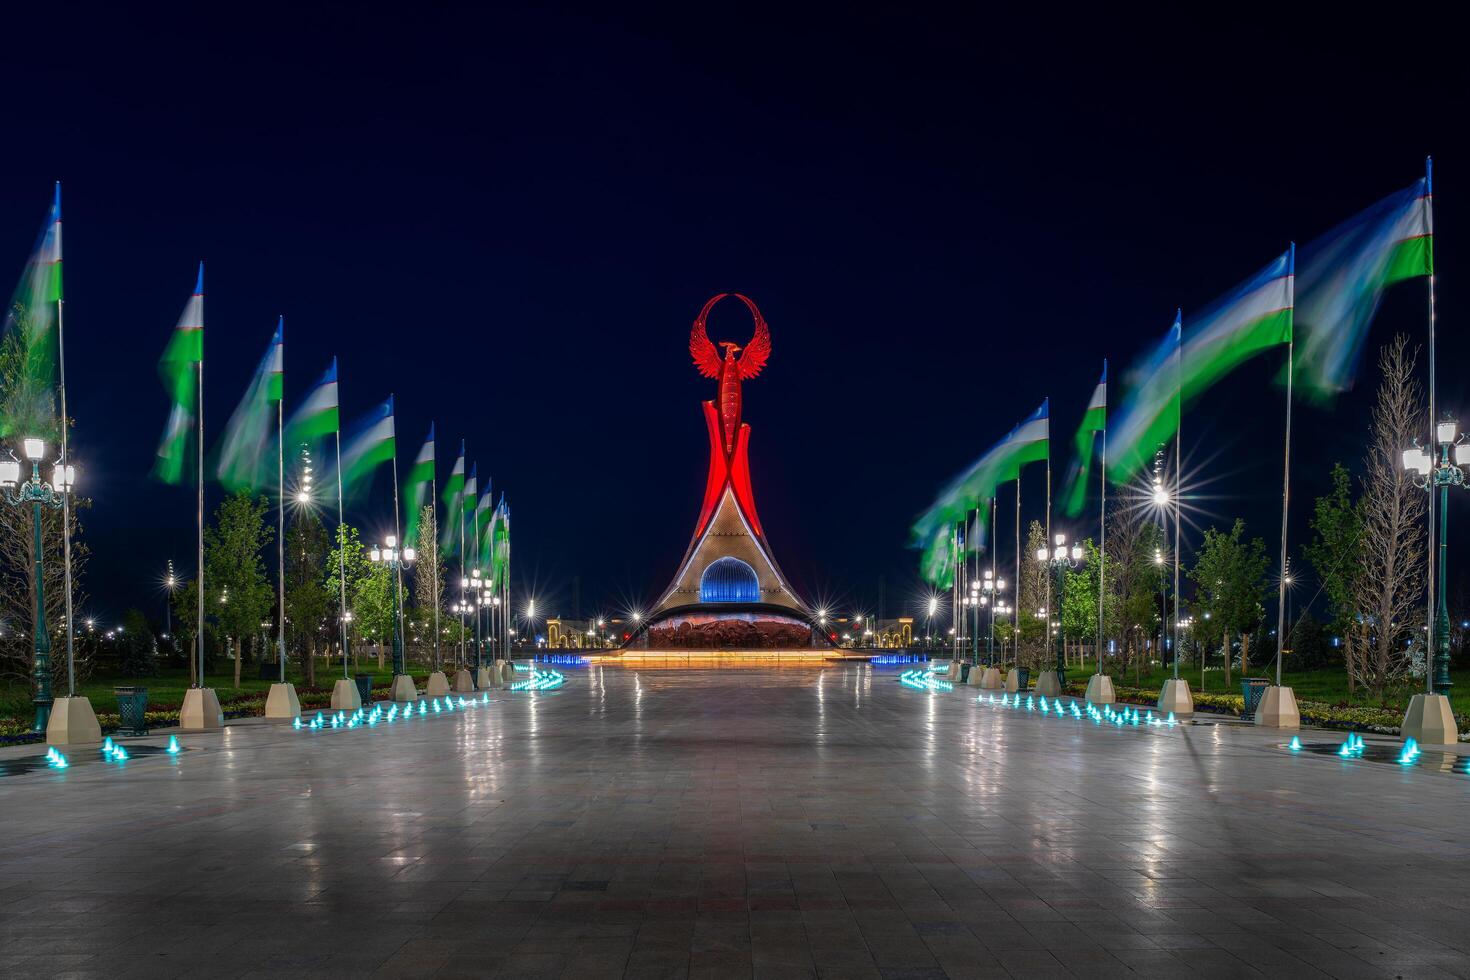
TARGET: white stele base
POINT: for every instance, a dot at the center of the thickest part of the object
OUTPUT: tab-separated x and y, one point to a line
976	672
1100	689
482	679
1175	697
1048	684
953	674
438	685
403	689
464	682
201	711
282	702
1013	681
72	721
1278	709
1429	720
990	680
345	696
507	672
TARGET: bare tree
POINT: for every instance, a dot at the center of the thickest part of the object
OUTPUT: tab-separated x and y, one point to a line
1389	589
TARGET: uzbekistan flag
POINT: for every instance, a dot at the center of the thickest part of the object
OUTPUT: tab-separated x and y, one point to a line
179	370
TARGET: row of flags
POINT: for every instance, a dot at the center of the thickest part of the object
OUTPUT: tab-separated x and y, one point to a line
1322	304
250	440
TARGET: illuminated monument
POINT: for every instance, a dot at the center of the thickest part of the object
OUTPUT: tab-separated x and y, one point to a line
728	592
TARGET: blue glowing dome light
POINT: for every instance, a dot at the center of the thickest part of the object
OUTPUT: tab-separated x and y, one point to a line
729	580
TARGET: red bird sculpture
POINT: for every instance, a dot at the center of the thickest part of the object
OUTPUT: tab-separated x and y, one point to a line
730	371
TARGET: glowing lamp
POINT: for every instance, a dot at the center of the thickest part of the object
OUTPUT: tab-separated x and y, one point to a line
1041	554
409	554
34	449
392	541
1462	454
1076	552
9	472
1418	460
376	554
1445	432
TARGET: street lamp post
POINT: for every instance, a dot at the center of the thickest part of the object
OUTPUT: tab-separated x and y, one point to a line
1438	468
38	493
1061	559
395	559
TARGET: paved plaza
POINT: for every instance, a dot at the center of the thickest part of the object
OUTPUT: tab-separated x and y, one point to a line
769	822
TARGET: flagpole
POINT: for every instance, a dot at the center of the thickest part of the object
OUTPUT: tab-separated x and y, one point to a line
1430	622
995	595
1286	473
464	477
71	667
199	634
1017	621
1045	574
434	503
1102	525
1178	434
341	544
398	537
281	516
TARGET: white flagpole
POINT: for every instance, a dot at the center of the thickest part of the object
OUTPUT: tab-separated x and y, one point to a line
398	540
1178	433
1286	472
199	634
1102	526
1430	615
341	536
71	666
281	517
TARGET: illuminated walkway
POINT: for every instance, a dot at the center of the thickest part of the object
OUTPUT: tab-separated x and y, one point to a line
794	822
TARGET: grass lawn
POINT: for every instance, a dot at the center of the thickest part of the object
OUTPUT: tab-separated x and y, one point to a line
169	685
1328	685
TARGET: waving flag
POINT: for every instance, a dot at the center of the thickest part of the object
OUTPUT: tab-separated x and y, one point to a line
449	534
369	444
1343	276
483	511
466	515
500	546
1150	414
318	415
1094	420
244	455
1028	442
33	309
179	370
420	486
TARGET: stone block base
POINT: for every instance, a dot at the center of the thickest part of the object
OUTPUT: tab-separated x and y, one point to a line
953	674
1175	697
438	685
1100	689
976	672
345	696
482	679
1429	720
403	689
1013	681
282	702
201	710
990	680
1278	709
72	721
1048	684
507	673
464	682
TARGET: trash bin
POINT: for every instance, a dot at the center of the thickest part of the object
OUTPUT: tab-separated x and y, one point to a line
1252	689
1023	678
364	688
132	710
965	671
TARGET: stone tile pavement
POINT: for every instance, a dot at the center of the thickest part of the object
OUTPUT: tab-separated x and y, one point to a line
773	823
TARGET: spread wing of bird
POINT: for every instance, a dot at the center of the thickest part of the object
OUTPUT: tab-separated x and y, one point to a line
706	358
758	350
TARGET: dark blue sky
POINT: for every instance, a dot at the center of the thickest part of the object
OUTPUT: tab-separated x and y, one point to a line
510	216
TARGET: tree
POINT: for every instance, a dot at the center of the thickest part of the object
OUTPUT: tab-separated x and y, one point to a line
28	408
428	579
186	623
1388	589
372	607
1336	554
137	648
1132	598
1031	614
350	556
1079	598
1229	576
307	546
237	593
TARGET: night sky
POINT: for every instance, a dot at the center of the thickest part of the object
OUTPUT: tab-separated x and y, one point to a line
510	217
